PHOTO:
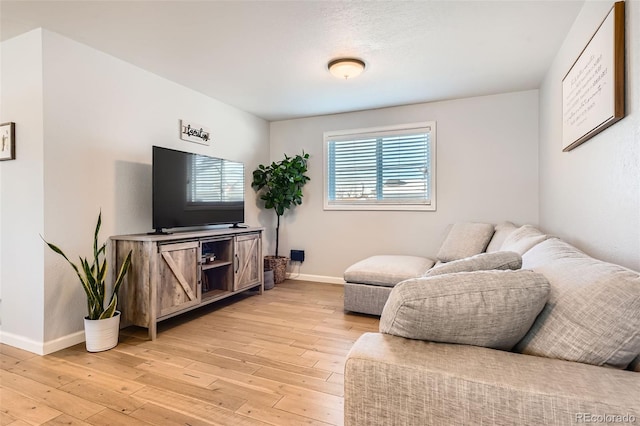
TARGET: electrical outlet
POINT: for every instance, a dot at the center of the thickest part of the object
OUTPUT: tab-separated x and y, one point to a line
297	255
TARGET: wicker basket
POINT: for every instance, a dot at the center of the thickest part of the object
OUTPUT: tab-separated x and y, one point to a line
279	267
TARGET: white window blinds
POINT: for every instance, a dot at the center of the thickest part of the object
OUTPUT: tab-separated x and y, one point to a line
377	168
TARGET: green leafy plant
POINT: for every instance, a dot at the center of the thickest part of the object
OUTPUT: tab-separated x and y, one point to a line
92	277
280	185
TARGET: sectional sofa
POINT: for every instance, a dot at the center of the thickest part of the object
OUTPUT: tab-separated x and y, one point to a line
556	341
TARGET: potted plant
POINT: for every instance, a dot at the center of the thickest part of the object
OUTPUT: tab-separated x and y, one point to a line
102	324
280	187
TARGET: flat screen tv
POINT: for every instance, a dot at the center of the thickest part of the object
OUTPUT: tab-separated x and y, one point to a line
195	190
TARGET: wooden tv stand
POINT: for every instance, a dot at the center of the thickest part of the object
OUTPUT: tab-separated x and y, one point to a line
175	273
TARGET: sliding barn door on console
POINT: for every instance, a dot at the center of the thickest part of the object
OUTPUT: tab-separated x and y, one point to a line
247	261
178	267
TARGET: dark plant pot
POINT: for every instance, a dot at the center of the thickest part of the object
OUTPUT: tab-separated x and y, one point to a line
278	264
268	279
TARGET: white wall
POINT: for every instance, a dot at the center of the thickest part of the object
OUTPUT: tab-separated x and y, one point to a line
101	118
487	171
21	193
590	196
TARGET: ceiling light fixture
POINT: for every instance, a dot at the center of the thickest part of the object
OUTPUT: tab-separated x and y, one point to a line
346	67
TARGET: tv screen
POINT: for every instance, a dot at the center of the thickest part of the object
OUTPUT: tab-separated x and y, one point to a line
195	190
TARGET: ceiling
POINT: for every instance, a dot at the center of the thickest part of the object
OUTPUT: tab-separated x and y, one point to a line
270	57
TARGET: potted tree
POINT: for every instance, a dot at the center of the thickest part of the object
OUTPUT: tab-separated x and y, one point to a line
102	324
280	187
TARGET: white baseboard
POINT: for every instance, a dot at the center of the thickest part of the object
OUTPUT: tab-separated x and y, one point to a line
41	348
63	342
316	278
21	342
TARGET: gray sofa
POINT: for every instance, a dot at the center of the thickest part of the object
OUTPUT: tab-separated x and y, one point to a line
577	363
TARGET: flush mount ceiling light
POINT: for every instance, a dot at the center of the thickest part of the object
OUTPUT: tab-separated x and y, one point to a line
346	67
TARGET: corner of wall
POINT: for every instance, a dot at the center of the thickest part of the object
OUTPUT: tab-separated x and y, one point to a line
22	193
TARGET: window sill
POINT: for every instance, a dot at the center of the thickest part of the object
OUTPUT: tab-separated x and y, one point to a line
381	207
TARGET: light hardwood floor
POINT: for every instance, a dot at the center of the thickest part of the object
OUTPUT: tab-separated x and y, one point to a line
273	359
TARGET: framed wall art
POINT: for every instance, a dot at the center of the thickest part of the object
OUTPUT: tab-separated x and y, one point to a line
593	88
7	141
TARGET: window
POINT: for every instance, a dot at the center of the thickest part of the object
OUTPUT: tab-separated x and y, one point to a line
382	168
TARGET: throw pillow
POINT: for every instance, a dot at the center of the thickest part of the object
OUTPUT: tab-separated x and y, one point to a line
484	308
503	230
523	239
479	262
635	364
464	240
593	314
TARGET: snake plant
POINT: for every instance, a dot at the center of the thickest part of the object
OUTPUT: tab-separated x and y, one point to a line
92	277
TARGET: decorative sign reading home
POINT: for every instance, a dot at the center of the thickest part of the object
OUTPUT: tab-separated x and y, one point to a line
593	89
194	132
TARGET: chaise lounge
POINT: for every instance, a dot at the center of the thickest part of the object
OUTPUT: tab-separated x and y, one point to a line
369	282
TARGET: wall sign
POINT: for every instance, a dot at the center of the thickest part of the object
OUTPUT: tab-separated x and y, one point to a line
7	141
593	89
194	132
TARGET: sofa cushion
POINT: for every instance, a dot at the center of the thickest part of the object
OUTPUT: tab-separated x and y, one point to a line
593	314
464	240
523	239
502	231
387	270
479	262
484	308
389	380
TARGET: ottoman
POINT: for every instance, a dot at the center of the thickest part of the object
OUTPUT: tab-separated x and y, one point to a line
369	282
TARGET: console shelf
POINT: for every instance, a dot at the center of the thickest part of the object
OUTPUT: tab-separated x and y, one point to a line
215	294
169	274
215	264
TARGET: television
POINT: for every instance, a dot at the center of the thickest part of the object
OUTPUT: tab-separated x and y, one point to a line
192	190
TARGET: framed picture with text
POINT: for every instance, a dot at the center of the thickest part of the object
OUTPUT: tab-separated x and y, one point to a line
593	88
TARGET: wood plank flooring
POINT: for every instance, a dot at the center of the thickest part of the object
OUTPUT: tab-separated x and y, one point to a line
275	359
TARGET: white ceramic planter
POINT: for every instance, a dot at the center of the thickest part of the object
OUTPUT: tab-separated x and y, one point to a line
102	335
